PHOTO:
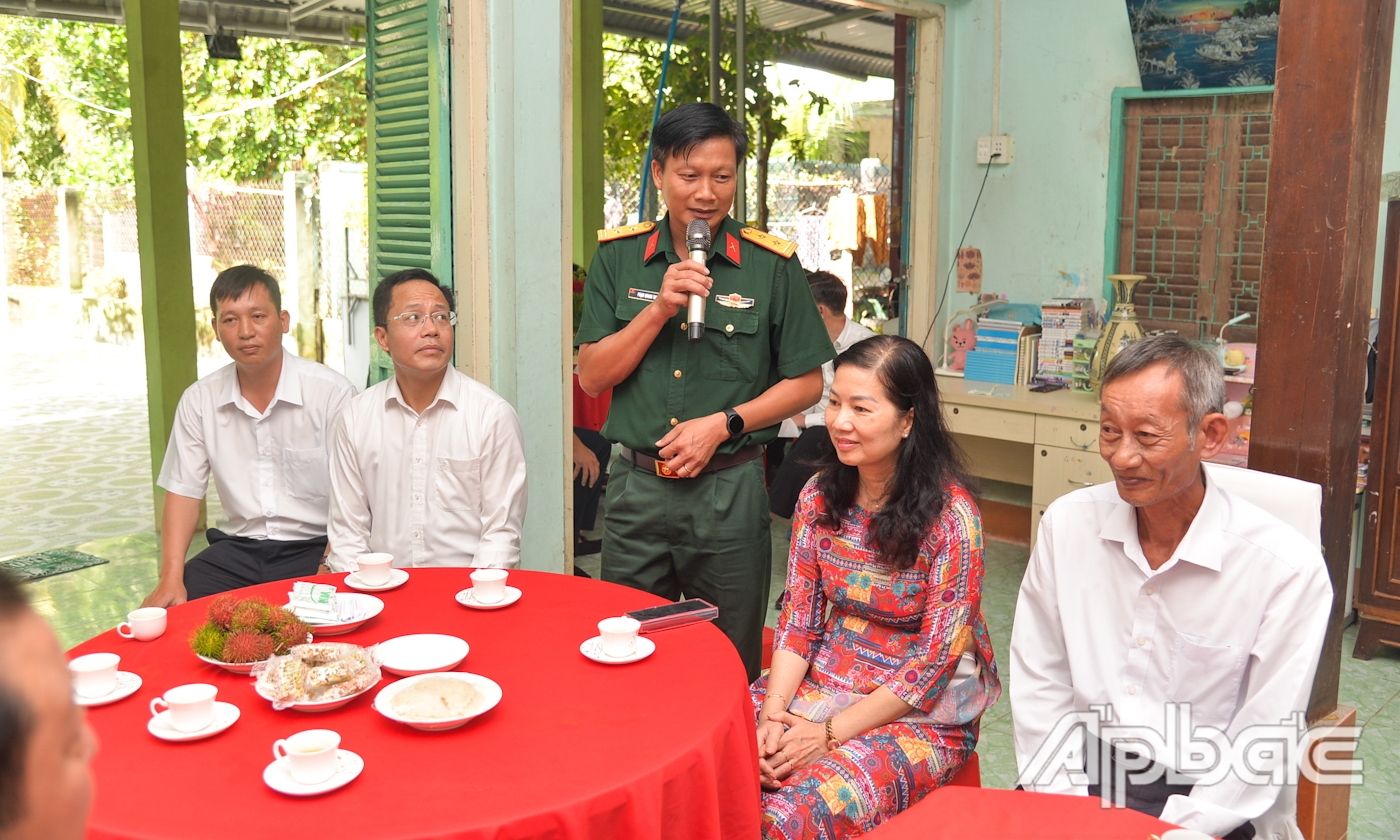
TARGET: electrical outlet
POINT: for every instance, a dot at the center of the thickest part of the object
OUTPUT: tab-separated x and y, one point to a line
987	146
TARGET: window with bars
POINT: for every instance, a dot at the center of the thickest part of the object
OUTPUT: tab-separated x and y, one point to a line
1195	184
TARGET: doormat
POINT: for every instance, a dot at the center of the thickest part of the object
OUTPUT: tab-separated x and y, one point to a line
49	563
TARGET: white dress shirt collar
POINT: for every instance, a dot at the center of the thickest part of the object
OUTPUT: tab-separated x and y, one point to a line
1200	545
288	390
449	391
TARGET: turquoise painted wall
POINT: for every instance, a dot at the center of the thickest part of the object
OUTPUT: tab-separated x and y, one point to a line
1045	213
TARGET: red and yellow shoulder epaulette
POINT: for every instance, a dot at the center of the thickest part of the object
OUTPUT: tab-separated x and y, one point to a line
625	231
776	244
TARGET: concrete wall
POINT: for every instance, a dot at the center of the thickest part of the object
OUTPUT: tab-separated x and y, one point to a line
1045	213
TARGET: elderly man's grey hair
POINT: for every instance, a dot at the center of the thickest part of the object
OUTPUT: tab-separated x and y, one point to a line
1201	372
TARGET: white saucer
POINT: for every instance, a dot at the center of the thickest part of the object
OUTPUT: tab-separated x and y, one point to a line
225	715
397	578
467	599
421	653
127	683
348	765
593	649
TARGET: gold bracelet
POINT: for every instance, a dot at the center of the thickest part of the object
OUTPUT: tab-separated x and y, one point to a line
770	695
831	742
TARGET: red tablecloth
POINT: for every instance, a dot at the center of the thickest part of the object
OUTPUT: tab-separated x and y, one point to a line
659	748
591	412
965	813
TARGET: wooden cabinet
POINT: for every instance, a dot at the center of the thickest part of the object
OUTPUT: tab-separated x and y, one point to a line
991	423
1059	471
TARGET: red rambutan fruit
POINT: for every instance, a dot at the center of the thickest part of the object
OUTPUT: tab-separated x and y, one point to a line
246	646
250	615
289	635
221	610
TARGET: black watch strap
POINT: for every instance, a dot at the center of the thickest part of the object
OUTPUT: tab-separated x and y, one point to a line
734	422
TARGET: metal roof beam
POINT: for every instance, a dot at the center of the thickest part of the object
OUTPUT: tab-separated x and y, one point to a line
830	21
299	12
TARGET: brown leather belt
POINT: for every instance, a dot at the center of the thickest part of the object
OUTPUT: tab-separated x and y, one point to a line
719	462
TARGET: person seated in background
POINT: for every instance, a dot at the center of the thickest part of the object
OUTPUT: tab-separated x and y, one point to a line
261	426
46	746
429	465
1164	588
809	428
867	710
591	454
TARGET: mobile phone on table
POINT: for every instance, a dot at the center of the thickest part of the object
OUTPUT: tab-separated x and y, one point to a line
679	614
1046	387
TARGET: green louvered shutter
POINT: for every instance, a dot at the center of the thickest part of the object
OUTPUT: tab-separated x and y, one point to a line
410	162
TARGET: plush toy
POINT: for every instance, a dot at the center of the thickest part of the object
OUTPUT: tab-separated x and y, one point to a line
962	339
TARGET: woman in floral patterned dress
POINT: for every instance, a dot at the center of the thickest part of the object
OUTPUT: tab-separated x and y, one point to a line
867	709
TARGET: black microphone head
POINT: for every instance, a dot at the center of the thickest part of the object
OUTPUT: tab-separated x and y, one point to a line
697	236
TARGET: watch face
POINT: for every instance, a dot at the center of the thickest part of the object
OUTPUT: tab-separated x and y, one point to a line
736	424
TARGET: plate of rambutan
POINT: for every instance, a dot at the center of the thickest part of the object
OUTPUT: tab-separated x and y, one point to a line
240	633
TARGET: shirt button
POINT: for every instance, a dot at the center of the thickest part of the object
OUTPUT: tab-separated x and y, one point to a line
678	374
729	328
674	421
1141	640
682	326
1149	590
416	497
416	535
417	460
1132	689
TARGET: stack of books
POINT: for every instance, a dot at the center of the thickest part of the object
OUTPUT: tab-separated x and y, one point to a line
1062	319
994	359
1026	351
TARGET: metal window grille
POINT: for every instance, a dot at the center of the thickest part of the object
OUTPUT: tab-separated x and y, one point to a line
1195	187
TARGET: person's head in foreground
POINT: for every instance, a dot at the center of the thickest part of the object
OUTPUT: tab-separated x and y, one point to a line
414	322
696	149
1162	414
891	452
830	294
248	316
45	742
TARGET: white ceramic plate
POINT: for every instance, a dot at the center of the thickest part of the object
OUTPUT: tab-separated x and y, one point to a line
489	694
467	599
593	649
244	668
324	706
421	653
375	607
225	715
278	776
127	684
397	578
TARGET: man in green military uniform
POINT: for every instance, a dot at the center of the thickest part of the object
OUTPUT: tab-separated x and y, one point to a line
687	510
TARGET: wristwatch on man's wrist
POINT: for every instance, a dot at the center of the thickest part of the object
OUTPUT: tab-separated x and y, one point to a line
733	422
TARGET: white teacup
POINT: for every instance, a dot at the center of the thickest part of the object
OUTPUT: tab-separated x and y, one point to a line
375	569
143	625
94	675
489	585
310	754
191	706
619	635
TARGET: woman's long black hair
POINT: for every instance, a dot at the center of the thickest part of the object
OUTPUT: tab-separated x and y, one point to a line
928	461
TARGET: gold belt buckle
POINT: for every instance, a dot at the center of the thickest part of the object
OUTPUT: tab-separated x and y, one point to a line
663	471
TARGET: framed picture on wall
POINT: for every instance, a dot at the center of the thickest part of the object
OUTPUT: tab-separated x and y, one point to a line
1189	44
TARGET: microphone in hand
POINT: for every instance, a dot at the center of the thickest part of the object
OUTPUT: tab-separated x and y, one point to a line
697	242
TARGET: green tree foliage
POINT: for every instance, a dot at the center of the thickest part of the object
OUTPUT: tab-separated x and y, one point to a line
1258	8
46	137
632	70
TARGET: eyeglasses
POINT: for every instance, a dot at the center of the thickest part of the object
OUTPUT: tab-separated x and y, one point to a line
416	320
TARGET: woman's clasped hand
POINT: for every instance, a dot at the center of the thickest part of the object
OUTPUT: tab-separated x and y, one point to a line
786	744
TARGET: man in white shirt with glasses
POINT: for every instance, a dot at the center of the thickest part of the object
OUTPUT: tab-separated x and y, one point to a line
260	427
428	465
1163	589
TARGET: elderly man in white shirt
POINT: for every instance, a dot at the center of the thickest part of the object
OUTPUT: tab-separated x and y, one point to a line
1164	588
261	426
429	465
809	427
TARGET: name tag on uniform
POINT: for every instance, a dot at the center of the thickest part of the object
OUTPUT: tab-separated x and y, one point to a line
734	301
642	294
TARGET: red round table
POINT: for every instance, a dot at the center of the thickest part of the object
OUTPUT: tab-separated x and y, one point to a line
961	813
663	747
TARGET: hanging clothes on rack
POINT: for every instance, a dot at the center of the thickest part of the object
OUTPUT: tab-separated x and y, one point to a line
874	228
843	222
811	237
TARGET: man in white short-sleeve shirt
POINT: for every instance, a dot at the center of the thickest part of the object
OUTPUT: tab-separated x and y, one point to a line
262	427
1159	590
428	465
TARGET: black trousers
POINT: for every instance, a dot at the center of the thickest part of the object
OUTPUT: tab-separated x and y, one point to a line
799	465
235	562
586	498
1147	798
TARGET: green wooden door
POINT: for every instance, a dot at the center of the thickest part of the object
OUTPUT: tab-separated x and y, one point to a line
410	162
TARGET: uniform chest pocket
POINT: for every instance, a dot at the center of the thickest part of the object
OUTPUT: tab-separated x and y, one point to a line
737	350
306	473
629	308
457	484
1208	677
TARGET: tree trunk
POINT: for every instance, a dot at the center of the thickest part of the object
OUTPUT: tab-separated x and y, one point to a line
765	150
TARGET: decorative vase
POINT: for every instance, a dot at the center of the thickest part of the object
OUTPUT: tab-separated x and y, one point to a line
1122	329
